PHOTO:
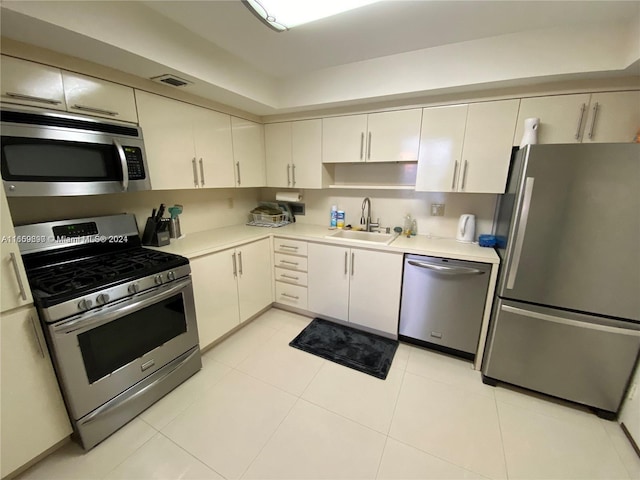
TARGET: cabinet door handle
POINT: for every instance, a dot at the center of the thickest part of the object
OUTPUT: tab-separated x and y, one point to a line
240	262
291	277
288	262
295	297
453	180
21	96
582	109
195	172
201	173
14	262
289	246
288	174
593	119
293	173
361	145
238	169
35	332
235	266
464	175
353	258
346	256
86	108
369	148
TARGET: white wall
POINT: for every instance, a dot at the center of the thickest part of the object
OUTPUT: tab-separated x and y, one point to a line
203	209
392	205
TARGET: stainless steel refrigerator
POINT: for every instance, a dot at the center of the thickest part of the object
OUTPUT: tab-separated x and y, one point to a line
566	317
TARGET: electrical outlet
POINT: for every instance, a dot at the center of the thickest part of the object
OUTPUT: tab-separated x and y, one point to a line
437	209
230	202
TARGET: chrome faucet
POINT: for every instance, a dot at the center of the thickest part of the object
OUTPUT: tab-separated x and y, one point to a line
366	219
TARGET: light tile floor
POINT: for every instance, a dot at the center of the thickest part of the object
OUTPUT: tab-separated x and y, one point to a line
260	409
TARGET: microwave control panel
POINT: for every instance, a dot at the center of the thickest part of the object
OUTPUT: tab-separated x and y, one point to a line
135	163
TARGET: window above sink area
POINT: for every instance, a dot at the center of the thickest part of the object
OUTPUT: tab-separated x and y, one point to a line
376	238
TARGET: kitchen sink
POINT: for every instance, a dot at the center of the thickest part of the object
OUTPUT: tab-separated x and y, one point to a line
364	237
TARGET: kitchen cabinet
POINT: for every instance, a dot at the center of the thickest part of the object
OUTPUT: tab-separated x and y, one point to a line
376	137
29	83
230	287
248	153
582	118
290	272
34	418
99	98
187	146
294	154
355	285
466	148
14	287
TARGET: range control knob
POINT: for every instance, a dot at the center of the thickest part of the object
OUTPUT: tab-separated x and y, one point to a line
158	279
134	288
171	275
84	304
102	298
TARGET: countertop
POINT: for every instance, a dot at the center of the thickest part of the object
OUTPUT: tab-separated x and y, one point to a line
197	244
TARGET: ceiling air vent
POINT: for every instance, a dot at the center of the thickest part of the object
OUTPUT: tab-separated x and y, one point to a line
171	80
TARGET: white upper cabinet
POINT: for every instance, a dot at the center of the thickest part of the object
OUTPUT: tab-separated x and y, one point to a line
466	148
377	137
99	98
186	146
294	154
248	153
583	118
487	146
29	83
613	117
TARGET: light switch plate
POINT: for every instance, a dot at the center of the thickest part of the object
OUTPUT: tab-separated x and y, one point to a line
437	209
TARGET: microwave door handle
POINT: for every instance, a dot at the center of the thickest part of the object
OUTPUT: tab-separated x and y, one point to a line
123	164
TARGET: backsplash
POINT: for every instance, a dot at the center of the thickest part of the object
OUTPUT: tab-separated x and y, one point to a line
203	209
392	205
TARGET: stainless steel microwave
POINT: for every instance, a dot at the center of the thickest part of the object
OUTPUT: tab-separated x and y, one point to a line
57	154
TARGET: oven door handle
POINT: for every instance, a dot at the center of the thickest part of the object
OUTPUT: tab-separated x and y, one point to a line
123	164
87	321
109	406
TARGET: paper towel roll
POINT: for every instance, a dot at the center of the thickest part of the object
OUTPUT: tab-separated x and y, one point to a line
289	196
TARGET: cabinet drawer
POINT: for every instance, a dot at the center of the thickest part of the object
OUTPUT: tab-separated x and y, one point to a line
290	262
293	295
293	247
284	275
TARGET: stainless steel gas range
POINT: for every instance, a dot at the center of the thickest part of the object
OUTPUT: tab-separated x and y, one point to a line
119	319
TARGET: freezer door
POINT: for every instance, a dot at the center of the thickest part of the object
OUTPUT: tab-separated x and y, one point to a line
573	238
581	358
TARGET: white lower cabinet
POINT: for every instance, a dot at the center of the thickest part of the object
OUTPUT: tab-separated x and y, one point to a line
230	287
290	272
355	285
34	418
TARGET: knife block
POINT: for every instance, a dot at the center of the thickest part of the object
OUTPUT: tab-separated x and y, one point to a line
156	234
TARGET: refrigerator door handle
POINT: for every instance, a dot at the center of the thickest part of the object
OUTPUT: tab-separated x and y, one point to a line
566	321
522	225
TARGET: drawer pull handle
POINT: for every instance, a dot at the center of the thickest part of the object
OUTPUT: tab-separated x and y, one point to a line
86	108
295	297
289	246
289	263
31	98
290	276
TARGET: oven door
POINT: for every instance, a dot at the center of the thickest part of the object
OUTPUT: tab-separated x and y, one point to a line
103	352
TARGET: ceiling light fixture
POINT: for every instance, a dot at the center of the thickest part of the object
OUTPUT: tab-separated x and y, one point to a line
281	15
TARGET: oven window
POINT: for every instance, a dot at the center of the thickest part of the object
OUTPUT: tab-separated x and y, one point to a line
40	160
111	346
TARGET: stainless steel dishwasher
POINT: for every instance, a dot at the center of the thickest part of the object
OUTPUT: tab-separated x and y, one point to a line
443	303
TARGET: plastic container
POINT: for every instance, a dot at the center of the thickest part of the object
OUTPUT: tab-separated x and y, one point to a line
340	221
334	216
406	230
487	240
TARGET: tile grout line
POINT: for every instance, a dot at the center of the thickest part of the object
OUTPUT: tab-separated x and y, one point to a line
615	449
504	451
136	450
193	456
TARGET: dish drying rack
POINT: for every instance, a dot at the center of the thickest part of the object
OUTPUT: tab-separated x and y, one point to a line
268	220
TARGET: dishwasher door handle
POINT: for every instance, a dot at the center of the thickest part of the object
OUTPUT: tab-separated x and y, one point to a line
447	270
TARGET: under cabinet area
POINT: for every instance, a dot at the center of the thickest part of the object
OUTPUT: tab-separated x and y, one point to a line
376	137
466	148
230	287
290	272
355	285
607	117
